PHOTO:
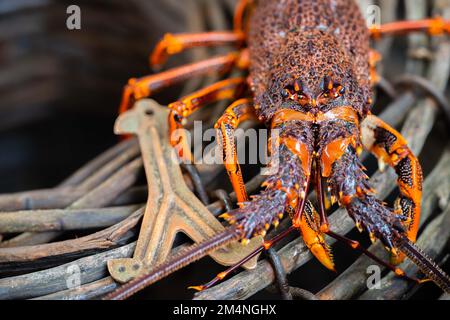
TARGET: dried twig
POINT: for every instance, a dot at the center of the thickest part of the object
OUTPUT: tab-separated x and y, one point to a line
51	280
62	219
113	236
88	189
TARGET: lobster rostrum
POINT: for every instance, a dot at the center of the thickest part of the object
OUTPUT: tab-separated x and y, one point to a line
311	72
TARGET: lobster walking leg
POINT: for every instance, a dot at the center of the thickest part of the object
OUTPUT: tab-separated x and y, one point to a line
435	26
146	86
176	43
324	224
266	246
226	89
310	227
351	243
357	246
374	59
241	110
313	238
239	15
390	147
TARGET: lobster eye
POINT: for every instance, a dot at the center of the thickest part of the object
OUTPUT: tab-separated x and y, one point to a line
338	90
290	92
295	92
285	93
331	92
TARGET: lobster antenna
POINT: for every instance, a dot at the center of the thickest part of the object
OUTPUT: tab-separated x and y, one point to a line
180	260
425	264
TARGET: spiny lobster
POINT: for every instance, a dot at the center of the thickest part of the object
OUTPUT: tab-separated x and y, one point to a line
311	72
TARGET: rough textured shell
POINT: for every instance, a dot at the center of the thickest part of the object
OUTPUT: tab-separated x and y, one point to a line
308	40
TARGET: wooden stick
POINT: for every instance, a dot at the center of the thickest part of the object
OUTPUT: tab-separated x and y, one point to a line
103	239
62	220
92	268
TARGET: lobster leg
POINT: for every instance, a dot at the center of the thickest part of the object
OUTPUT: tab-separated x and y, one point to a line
324	228
435	26
172	44
352	243
266	246
357	246
374	58
146	86
176	43
312	237
226	89
241	110
239	15
324	224
390	147
302	205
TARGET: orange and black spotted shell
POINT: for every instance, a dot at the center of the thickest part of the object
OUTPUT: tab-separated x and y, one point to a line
308	41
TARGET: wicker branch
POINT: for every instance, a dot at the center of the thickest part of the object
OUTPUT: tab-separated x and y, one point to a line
34	256
54	279
62	219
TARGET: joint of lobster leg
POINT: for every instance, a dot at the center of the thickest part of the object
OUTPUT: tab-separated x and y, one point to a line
133	91
169	45
173	44
127	96
439	26
267	245
324	227
400	273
